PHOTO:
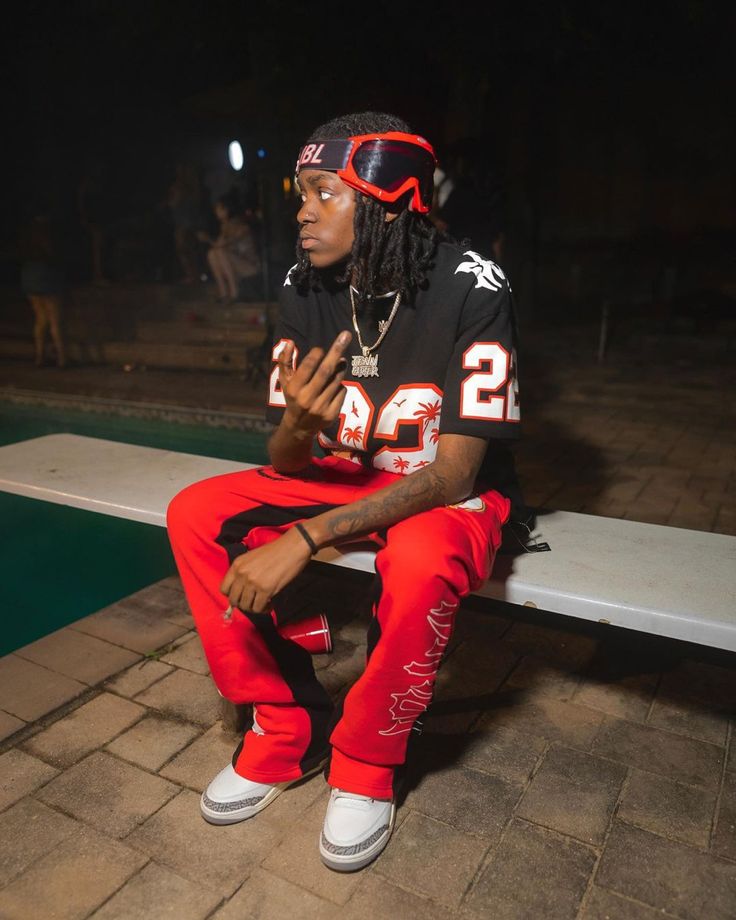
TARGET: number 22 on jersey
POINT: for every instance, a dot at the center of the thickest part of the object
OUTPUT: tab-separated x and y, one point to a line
493	368
410	404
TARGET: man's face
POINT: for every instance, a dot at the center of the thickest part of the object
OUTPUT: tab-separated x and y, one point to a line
325	217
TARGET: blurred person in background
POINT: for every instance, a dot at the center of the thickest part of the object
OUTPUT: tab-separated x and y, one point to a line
233	254
42	281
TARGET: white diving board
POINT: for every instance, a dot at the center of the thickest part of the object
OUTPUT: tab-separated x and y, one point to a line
661	580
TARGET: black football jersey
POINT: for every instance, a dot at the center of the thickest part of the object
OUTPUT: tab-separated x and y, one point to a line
447	365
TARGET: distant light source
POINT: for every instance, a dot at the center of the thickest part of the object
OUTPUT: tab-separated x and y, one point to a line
235	155
286	183
261	153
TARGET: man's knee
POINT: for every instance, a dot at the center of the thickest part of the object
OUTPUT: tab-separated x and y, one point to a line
189	505
209	498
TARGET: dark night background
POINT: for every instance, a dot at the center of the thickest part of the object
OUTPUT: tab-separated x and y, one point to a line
609	125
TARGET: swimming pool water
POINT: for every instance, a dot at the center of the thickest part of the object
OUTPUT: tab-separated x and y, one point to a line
59	564
19	423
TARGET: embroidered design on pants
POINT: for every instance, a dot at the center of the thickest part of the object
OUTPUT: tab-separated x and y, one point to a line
407	706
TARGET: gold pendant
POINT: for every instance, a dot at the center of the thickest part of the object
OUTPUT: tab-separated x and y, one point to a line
365	365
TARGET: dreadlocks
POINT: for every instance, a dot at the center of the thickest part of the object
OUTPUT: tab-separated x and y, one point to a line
387	255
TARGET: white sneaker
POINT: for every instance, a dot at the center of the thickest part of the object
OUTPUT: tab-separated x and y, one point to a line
230	798
356	830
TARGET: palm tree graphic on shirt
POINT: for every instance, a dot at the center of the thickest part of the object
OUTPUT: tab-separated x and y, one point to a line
353	434
429	412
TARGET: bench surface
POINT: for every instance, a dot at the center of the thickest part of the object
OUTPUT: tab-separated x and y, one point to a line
661	580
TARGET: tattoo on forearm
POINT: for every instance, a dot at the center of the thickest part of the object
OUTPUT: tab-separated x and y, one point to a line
419	492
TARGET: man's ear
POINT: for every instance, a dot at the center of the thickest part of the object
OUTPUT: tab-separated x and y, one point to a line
390	215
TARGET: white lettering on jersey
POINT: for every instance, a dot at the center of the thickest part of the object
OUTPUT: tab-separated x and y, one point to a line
487	273
287	280
275	393
355	420
484	382
409	405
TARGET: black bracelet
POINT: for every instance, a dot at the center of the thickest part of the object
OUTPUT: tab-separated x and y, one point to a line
310	542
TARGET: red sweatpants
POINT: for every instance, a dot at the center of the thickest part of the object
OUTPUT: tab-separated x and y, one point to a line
423	567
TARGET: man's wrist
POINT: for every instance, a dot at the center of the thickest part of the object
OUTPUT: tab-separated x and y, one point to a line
319	532
294	431
306	536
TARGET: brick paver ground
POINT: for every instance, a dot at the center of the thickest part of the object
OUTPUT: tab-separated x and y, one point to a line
567	771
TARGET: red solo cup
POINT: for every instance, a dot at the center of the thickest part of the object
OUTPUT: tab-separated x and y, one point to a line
312	634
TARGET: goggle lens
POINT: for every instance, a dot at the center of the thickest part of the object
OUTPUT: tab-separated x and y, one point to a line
388	164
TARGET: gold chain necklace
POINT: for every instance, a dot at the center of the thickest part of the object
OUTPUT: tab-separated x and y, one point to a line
366	364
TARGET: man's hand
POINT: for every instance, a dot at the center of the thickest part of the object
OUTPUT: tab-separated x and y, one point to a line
254	578
314	395
313	392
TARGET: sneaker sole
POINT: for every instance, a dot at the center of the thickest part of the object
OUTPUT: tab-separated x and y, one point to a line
358	861
249	811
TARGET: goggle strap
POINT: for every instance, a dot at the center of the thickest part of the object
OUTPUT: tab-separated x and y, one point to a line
330	155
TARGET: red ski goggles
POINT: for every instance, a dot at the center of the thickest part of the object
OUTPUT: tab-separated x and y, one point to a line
384	166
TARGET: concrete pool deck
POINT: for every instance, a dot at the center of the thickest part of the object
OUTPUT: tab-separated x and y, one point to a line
566	771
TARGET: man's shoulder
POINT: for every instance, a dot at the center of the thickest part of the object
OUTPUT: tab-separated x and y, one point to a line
474	266
462	270
447	257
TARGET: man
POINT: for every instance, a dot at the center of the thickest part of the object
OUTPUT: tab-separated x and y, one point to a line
412	428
